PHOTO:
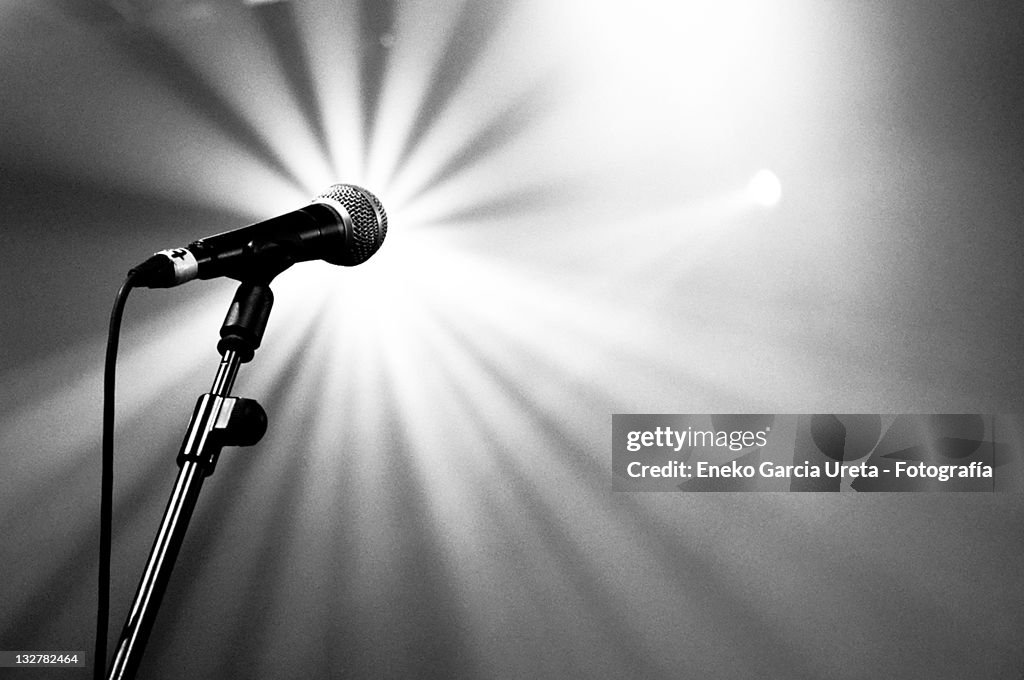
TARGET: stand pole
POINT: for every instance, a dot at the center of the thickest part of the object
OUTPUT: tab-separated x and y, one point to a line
218	420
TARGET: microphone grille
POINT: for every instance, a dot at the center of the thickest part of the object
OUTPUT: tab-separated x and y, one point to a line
369	221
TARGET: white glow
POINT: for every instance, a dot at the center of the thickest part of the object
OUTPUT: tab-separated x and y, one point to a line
765	188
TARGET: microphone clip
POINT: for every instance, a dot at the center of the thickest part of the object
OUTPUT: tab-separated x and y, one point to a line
246	320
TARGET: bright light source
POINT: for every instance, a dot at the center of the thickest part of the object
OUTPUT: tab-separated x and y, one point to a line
765	188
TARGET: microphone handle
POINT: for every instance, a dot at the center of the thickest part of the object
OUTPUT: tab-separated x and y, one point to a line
258	251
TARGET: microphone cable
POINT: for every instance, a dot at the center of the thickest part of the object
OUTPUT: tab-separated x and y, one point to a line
107	476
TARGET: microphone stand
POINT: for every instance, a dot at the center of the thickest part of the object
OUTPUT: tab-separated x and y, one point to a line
218	420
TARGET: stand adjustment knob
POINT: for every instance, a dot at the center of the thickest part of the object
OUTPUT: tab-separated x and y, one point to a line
218	422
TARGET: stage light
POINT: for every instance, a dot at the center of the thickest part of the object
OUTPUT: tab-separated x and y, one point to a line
765	188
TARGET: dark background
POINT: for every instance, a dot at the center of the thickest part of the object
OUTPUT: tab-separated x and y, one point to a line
569	238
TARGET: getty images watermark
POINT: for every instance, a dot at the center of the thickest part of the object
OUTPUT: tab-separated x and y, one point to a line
820	452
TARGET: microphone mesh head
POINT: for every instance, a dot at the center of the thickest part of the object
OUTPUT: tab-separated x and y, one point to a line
369	221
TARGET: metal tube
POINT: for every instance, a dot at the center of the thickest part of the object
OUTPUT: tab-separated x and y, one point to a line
170	536
226	373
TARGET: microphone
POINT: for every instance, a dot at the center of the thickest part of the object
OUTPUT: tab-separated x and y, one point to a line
344	225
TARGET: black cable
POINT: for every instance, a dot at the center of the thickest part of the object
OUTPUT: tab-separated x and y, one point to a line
107	477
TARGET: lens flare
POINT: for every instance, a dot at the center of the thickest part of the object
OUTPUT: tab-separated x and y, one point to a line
765	188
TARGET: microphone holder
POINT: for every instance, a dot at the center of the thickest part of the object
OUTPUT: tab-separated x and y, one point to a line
218	420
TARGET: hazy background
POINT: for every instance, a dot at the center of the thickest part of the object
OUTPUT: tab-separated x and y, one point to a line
571	236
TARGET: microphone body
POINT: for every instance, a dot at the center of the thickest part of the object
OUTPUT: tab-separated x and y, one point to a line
344	225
